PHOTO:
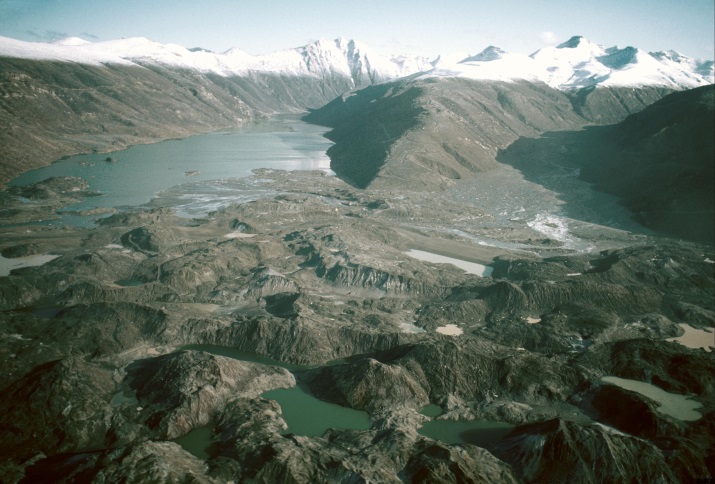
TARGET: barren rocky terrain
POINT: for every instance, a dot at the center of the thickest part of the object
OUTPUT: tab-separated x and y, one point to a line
97	385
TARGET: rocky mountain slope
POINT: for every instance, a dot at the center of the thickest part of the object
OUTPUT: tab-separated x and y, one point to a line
658	161
427	132
665	160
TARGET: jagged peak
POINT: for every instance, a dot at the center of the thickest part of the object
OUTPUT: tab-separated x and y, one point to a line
616	58
576	48
572	43
672	55
235	51
491	53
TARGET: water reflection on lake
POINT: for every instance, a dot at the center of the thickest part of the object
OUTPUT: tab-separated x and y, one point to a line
204	163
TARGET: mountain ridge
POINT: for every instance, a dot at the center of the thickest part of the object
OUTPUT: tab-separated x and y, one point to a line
579	63
574	64
315	59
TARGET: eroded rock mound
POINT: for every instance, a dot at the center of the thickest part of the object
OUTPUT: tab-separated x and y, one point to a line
561	451
185	390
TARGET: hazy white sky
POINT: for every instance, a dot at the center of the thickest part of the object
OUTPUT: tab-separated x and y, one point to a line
417	27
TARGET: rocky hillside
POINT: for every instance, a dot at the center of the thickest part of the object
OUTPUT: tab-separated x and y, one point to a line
664	158
426	132
660	162
53	109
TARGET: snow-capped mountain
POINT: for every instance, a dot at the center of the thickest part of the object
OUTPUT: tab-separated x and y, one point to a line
340	56
575	64
492	64
580	63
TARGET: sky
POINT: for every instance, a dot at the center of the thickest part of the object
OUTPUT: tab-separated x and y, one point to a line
427	28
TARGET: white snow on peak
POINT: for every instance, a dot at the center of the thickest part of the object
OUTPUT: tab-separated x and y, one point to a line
491	53
491	64
71	41
579	63
576	63
88	53
324	57
676	60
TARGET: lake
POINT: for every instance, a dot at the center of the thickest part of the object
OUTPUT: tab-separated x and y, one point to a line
205	167
681	407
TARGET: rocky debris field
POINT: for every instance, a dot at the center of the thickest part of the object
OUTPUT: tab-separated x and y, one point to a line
117	347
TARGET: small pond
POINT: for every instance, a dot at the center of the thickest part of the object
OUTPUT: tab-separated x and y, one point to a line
468	267
311	417
477	432
197	442
695	338
7	265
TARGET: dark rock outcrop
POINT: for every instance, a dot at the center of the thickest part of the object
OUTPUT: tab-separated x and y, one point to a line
185	390
60	406
561	451
141	462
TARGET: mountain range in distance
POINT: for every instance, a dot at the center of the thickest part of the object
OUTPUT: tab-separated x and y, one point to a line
577	63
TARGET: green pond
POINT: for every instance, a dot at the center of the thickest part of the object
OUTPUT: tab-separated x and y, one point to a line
197	442
311	417
304	414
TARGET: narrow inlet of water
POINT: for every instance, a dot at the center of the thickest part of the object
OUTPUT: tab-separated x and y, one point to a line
481	433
